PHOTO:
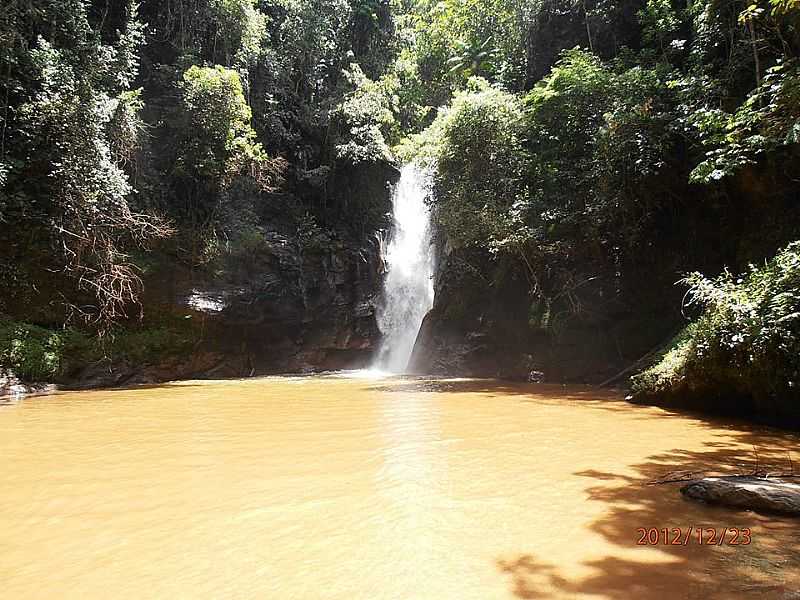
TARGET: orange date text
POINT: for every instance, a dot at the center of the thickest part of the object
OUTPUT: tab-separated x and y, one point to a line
702	536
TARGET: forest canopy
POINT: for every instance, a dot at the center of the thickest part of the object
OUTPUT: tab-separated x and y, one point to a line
584	146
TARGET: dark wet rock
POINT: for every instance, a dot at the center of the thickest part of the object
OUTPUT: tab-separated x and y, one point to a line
303	299
752	493
120	373
299	306
308	309
444	348
486	323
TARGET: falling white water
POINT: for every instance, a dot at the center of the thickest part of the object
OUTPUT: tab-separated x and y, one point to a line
408	288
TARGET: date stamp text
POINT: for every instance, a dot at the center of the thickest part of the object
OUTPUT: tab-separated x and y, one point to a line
702	536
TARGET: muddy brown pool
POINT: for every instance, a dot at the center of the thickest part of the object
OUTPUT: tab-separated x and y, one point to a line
354	487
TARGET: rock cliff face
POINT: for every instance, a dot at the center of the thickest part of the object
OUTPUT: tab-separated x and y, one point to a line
473	329
484	323
301	298
305	300
305	309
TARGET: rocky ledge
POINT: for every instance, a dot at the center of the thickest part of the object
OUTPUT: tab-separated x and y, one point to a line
11	387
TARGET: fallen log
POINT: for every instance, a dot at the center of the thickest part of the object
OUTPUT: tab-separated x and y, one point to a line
762	494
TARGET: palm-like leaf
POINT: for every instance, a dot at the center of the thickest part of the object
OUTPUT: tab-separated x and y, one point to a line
473	59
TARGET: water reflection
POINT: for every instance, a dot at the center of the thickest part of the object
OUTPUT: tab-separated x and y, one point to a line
410	482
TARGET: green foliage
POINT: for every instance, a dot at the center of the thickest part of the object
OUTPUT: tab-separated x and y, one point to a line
473	60
767	120
35	353
454	40
747	338
659	23
373	35
300	77
217	140
240	27
565	111
125	129
217	159
669	373
70	129
480	161
226	32
366	119
572	163
785	6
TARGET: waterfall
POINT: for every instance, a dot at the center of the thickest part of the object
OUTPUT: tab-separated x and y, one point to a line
408	288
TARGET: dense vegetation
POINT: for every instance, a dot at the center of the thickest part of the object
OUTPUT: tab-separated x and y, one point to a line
586	164
125	124
141	138
744	346
594	151
623	168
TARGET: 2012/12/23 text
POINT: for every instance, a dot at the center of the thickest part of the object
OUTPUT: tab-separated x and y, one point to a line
702	536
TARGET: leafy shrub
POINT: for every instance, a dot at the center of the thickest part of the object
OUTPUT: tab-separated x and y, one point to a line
477	146
669	373
218	141
366	118
34	353
597	139
747	339
768	119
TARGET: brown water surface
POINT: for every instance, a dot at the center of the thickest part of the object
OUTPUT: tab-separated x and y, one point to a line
357	488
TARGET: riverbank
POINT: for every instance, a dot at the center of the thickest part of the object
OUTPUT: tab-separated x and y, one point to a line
115	379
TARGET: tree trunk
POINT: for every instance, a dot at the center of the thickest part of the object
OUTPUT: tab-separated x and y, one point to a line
588	28
756	58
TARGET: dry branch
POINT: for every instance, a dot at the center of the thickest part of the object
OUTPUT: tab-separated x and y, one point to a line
757	471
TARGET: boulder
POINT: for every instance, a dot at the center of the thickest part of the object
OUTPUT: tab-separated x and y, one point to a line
12	388
771	495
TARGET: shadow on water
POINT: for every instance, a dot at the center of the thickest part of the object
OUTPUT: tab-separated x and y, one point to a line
492	387
591	396
767	568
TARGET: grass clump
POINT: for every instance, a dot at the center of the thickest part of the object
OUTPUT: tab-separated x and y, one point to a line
35	353
150	345
670	371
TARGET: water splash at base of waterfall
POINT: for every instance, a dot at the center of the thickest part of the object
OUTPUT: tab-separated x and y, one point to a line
408	288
